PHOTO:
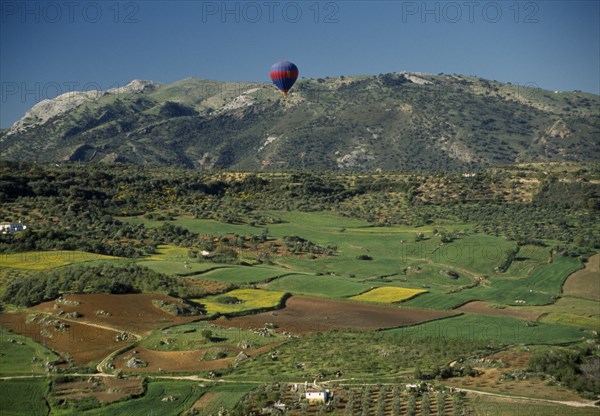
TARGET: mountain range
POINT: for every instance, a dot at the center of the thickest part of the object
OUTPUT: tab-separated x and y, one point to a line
396	121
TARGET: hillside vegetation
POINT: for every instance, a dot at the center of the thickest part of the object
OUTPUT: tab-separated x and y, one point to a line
395	121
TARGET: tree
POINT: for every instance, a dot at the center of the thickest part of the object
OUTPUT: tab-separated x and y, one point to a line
411	408
207	334
349	411
381	401
441	402
425	405
397	403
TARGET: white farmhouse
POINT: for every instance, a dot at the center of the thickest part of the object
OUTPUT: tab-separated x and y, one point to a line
11	227
317	396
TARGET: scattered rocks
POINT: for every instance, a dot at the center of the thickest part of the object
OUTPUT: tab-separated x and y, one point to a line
244	344
135	362
124	337
242	356
66	302
168	399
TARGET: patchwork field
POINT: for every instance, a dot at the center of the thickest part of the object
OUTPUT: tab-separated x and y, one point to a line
412	302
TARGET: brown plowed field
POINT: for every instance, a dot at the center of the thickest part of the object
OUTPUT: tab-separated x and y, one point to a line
303	314
84	343
132	312
485	308
585	283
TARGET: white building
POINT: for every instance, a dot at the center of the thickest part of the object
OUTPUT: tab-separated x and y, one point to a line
317	396
11	227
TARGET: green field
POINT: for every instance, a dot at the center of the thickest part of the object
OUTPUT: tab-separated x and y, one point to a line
189	337
528	258
185	392
582	313
23	397
243	274
539	288
198	226
476	253
329	286
503	330
20	355
225	396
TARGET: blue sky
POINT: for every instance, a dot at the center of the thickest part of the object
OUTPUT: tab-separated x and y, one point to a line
52	47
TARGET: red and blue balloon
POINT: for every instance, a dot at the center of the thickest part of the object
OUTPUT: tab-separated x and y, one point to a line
284	75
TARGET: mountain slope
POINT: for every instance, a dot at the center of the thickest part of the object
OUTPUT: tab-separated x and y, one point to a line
400	121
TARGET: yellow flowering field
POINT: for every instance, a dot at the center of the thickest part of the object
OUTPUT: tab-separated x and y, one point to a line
388	294
250	299
41	260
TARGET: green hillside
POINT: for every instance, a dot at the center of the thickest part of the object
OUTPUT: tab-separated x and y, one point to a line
396	121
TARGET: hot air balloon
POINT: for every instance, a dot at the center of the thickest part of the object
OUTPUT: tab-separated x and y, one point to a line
284	74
